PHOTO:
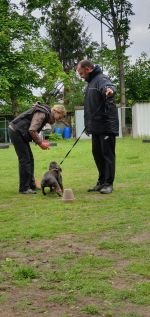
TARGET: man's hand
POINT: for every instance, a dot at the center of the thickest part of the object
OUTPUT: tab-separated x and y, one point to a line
44	145
108	92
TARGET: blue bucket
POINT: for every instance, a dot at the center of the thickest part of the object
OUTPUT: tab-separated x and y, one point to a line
67	133
58	131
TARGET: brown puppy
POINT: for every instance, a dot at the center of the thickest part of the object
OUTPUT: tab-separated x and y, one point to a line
53	179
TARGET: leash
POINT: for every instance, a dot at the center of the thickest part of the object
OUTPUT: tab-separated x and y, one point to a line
72	146
77	139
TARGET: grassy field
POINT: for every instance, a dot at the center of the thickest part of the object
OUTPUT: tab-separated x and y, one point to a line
85	258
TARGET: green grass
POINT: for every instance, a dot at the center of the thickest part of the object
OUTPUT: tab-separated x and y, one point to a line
90	309
89	257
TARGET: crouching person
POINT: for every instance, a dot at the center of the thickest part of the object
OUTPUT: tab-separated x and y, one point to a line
24	129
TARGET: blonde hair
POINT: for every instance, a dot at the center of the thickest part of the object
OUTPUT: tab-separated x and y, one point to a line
60	108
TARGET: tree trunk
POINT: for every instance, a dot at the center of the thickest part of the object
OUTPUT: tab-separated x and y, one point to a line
15	105
122	82
122	96
119	51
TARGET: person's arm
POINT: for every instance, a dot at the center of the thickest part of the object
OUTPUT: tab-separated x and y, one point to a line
36	123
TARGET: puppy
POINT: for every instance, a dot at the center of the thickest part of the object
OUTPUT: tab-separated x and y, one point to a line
53	179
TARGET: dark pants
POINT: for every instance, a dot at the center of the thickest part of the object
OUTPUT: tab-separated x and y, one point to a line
103	149
26	161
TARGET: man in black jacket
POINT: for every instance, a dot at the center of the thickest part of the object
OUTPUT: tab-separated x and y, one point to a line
25	128
101	121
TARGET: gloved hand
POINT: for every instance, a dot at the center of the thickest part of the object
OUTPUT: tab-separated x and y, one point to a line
44	145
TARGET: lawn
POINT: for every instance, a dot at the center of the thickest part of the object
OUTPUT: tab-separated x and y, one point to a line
89	257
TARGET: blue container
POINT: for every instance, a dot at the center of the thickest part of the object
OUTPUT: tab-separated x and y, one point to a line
58	131
67	133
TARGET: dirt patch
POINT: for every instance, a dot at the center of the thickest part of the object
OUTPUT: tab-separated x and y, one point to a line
31	300
41	250
141	238
136	309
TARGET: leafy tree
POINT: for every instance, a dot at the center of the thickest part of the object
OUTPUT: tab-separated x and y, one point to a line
69	40
73	96
115	15
15	72
46	64
40	4
107	58
26	61
138	80
67	37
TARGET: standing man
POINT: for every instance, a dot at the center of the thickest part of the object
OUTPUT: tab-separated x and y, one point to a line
24	129
101	121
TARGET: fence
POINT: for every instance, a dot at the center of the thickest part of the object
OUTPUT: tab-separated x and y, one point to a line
4	137
141	119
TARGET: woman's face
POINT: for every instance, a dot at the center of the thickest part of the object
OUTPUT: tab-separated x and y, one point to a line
58	114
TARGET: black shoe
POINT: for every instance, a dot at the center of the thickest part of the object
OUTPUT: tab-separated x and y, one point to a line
106	189
96	188
28	192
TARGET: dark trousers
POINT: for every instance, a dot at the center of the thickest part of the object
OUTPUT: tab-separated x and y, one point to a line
26	161
103	149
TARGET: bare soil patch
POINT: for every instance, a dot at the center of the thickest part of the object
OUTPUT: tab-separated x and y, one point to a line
32	301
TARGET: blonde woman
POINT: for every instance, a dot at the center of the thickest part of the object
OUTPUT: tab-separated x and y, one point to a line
24	129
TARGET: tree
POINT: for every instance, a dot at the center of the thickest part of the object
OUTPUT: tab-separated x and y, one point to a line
74	87
108	58
68	38
66	34
138	80
15	71
114	14
47	66
26	61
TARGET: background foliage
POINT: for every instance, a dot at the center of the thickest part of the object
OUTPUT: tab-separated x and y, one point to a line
31	63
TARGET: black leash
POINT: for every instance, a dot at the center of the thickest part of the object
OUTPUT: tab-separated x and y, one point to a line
77	139
72	146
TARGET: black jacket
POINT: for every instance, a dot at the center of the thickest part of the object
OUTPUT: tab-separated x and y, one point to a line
100	113
22	122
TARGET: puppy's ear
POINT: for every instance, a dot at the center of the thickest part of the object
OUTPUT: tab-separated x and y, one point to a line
60	169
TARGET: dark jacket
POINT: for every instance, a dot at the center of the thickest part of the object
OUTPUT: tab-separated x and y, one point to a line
22	122
100	113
